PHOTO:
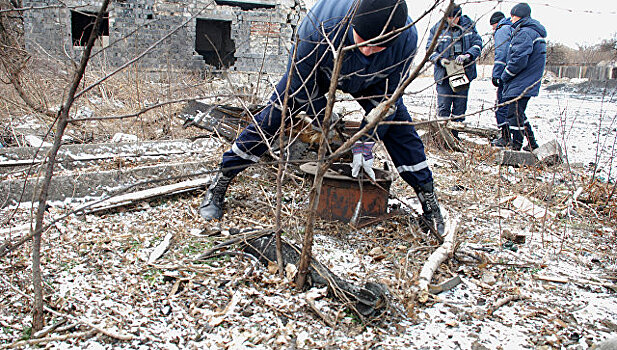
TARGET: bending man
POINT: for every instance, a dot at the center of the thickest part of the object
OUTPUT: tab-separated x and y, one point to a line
369	73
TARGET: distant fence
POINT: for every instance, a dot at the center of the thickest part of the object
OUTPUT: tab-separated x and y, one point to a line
589	72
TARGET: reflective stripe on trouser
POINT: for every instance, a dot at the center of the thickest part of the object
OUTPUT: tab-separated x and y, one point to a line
517	119
501	114
249	145
406	149
450	103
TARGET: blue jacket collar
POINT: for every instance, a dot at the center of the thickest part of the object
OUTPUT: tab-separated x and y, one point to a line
504	22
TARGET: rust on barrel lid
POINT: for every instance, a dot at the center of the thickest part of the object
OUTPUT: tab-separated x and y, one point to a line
342	171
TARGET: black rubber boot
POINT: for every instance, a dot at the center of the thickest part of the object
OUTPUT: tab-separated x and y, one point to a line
212	206
531	139
504	141
430	207
517	140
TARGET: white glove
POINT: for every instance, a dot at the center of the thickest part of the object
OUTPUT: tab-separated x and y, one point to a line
461	59
363	159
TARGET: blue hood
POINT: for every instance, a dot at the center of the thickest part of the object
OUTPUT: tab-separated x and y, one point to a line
526	59
503	22
531	23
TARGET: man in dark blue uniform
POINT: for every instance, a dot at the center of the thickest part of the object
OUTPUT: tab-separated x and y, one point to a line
369	73
502	31
523	73
459	42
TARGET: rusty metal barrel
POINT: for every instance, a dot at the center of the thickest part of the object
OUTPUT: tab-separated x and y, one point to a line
341	193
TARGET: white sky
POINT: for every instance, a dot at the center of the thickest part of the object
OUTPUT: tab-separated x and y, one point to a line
570	22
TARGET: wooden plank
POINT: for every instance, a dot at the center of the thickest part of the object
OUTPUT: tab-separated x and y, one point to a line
135	197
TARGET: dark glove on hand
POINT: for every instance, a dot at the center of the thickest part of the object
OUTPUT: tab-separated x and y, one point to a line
496	82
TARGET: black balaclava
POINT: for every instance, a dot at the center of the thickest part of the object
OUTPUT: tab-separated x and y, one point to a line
496	17
373	16
521	10
456	11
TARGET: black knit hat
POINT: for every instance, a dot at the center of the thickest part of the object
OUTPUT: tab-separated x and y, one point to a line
373	16
456	11
496	17
521	10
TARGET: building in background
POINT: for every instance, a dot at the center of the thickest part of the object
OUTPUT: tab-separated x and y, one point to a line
239	35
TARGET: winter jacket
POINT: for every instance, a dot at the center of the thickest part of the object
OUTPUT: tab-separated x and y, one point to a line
526	59
502	36
471	44
374	77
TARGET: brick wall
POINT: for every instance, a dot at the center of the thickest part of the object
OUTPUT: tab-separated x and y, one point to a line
260	35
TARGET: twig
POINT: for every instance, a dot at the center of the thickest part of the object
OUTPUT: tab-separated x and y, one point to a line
71	317
106	332
229	242
39	341
314	308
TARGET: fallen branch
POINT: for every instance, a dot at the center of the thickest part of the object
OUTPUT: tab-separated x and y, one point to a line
433	262
503	301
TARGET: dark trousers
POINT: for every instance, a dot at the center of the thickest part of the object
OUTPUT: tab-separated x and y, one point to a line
401	141
450	103
501	114
517	120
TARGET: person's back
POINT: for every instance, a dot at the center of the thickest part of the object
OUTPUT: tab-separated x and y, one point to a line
526	59
523	73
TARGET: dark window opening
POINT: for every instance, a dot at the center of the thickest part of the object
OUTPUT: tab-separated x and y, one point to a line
213	42
244	5
81	27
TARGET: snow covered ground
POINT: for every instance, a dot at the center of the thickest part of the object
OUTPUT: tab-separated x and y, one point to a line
585	124
561	280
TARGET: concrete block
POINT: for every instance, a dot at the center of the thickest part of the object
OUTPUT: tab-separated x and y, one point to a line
100	183
549	153
516	158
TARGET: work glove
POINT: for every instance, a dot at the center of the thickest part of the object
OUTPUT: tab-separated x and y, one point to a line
496	82
443	61
362	159
461	59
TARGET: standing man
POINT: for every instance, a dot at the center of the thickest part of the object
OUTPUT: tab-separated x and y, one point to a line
522	75
502	31
370	73
459	42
